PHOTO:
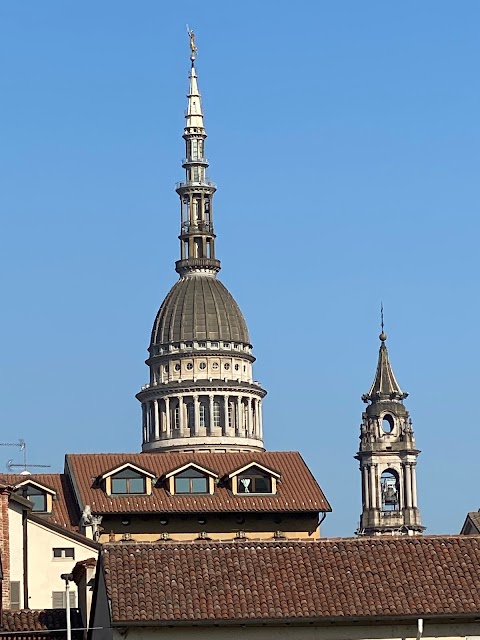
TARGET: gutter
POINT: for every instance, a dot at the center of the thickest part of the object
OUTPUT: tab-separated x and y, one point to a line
25	558
446	618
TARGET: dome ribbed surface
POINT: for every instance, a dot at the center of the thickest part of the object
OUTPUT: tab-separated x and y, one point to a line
199	308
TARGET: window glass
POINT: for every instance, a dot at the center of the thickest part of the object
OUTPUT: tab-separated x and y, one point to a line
38	497
199	485
137	485
119	485
182	485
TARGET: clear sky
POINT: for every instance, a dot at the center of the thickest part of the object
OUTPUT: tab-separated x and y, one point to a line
344	138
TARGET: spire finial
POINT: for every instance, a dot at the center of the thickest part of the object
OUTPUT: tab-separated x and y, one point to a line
193	46
383	335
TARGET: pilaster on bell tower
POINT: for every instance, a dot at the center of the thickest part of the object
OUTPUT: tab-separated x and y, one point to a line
388	457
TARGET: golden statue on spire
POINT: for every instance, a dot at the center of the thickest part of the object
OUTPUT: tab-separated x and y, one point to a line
193	46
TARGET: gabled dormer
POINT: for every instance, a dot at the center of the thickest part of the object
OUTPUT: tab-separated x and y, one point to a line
254	478
39	495
128	479
190	479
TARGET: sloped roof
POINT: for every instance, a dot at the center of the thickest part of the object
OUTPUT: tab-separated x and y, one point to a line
45	623
297	491
64	510
164	583
472	521
384	385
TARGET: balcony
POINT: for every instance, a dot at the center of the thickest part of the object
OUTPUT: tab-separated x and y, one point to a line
201	161
192	184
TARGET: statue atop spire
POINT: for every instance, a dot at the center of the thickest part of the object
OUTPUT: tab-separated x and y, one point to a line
193	46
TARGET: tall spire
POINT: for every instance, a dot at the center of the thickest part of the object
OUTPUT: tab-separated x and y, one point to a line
385	385
201	394
197	237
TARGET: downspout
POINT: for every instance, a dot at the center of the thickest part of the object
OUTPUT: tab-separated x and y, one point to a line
419	628
25	558
317	527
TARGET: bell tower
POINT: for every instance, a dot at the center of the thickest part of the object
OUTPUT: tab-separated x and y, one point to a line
388	457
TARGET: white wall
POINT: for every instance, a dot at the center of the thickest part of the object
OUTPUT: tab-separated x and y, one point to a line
43	571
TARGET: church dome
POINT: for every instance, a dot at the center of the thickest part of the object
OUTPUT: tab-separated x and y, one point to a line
199	308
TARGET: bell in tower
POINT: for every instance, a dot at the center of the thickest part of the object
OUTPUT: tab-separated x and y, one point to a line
387	457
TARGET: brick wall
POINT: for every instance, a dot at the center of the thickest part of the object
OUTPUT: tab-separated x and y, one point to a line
5	546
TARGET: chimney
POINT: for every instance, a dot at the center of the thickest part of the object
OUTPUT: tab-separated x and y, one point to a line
5	545
84	577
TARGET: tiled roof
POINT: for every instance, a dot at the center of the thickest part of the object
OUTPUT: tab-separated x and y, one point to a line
64	510
30	623
297	490
275	581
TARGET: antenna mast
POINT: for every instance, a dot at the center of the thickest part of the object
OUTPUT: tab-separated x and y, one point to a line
24	466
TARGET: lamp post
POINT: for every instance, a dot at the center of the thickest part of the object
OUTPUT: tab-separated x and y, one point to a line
68	577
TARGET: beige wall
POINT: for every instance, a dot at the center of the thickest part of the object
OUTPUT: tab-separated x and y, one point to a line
297	632
43	571
15	532
219	527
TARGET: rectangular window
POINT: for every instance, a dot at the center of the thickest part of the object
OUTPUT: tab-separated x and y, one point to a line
15	595
176	418
216	414
230	414
202	415
63	553
191	415
59	601
128	481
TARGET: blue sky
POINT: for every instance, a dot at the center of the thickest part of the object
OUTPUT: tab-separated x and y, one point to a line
344	138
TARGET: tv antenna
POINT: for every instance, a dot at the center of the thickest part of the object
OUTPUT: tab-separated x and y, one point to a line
24	466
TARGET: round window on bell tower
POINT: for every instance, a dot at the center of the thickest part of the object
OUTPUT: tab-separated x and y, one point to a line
387	423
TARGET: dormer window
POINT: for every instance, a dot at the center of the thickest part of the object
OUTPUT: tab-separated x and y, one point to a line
254	479
37	496
128	481
191	481
254	482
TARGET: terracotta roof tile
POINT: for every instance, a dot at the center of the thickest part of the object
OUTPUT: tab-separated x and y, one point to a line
297	490
64	510
31	623
329	579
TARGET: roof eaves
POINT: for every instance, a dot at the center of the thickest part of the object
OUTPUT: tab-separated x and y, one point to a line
127	465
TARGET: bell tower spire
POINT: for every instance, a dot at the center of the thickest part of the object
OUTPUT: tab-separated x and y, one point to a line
197	237
387	456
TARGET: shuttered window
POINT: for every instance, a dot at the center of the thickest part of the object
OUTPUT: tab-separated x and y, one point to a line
15	595
59	602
